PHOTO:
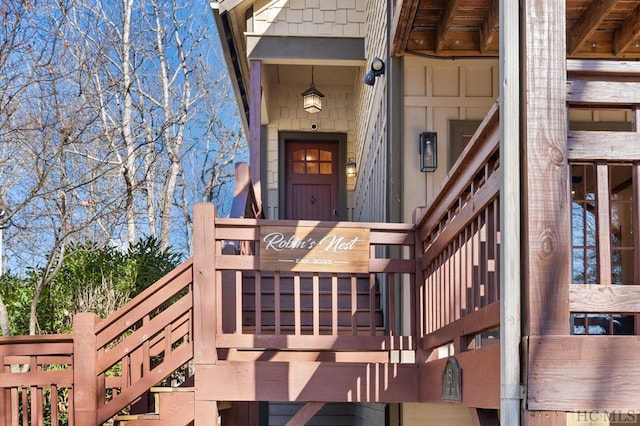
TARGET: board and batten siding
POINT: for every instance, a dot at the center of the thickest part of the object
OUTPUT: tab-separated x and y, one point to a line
435	92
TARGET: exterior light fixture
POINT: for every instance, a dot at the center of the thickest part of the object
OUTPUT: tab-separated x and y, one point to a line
428	151
312	98
376	70
350	168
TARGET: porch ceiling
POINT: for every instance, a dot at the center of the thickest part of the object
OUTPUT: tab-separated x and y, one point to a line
605	29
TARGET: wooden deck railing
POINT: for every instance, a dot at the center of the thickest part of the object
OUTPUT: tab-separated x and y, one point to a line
460	239
36	379
273	309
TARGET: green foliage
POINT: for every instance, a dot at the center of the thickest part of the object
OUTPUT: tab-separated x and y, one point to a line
91	279
17	295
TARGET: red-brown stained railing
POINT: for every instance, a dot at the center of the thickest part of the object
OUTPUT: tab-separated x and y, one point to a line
36	377
311	305
459	256
144	342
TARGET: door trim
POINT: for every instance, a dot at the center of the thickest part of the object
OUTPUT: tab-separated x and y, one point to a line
341	138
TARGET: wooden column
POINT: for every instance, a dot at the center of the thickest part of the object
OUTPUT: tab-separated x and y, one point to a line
85	361
255	105
205	321
547	204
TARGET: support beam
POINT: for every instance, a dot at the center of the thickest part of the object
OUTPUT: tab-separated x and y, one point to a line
445	23
627	33
587	24
490	26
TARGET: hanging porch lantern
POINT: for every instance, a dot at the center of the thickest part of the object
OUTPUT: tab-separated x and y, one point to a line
312	98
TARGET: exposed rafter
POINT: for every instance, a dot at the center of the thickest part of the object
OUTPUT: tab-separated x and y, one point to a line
445	23
588	23
490	26
628	33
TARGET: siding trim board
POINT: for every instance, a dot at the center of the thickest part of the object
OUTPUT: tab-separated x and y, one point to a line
298	49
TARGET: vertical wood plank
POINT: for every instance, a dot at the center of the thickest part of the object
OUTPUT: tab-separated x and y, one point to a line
276	292
604	225
296	304
316	305
85	359
334	304
258	298
372	304
354	304
53	396
238	299
392	304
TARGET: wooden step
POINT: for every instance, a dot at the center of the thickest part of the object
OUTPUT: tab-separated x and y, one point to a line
173	407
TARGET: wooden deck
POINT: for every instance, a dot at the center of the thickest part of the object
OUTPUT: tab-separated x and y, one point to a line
380	333
231	325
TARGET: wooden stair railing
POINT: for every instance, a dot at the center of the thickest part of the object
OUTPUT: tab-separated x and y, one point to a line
142	344
460	236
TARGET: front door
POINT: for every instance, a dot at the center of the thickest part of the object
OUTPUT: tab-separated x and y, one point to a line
311	177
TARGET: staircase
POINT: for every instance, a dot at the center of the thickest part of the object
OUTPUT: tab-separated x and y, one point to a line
172	407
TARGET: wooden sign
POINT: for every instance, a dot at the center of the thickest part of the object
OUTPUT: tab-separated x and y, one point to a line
313	249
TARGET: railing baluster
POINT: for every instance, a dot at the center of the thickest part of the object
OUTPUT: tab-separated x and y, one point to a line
334	304
258	301
277	310
354	304
392	304
53	397
316	305
372	304
296	302
238	300
25	406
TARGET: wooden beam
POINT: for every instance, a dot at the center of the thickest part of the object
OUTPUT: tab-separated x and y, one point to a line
403	24
600	298
445	23
576	373
310	381
613	93
588	23
305	414
490	26
606	146
627	33
474	323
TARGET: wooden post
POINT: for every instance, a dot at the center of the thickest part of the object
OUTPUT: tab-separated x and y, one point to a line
547	203
205	317
255	106
85	361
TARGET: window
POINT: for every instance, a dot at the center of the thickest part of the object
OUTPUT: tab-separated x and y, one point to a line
312	162
592	201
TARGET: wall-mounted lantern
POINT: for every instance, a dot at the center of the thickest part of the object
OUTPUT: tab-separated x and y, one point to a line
350	168
312	98
428	151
